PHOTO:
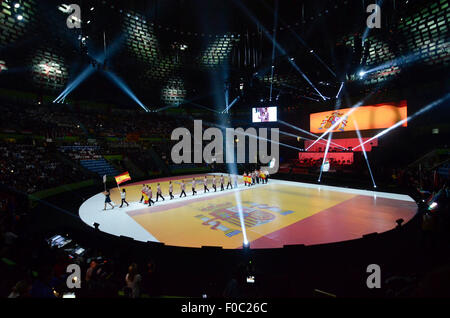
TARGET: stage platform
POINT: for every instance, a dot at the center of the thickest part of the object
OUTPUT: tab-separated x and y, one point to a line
276	214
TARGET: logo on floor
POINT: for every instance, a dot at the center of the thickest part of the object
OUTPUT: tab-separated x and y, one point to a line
225	216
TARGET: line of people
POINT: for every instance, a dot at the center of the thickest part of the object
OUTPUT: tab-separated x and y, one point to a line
147	193
251	178
255	177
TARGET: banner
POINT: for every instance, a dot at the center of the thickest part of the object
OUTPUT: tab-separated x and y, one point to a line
378	116
122	177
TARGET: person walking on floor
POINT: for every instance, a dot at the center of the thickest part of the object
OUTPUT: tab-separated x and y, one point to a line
123	196
205	184
214	185
183	188
171	190
144	187
150	194
107	199
229	182
221	183
193	187
159	193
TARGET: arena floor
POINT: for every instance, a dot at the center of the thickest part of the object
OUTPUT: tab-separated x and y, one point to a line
276	214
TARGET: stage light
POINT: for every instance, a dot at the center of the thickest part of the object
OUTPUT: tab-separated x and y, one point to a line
291	58
20	17
89	21
16	5
361	74
246	245
432	206
92	8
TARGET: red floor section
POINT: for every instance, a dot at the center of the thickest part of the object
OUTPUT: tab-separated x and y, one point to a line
345	221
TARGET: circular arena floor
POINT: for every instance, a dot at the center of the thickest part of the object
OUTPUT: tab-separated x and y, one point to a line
275	214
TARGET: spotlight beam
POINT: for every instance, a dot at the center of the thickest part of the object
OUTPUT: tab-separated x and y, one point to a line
401	122
325	156
303	43
308	133
253	136
231	105
364	153
75	83
295	136
340	88
124	87
275	24
204	107
279	48
354	107
397	61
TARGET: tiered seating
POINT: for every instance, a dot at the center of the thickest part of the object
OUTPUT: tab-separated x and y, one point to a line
89	158
99	166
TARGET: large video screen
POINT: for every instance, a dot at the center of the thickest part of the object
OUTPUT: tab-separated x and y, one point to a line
366	117
264	114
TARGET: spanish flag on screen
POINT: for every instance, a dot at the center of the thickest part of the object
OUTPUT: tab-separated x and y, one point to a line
122	177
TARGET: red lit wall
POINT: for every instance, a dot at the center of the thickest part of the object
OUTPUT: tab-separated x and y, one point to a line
344	142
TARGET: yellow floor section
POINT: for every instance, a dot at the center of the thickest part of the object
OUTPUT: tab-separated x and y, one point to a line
194	224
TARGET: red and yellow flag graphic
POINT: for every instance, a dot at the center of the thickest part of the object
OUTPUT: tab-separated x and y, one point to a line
122	177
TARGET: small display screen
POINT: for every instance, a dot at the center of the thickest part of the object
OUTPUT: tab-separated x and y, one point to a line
264	114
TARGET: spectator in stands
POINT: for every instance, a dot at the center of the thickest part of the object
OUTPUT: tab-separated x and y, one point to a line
21	290
133	282
90	271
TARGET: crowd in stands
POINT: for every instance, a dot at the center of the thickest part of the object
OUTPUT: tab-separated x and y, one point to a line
30	168
52	122
78	152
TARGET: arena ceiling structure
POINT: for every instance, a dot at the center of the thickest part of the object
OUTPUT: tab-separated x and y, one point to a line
209	54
